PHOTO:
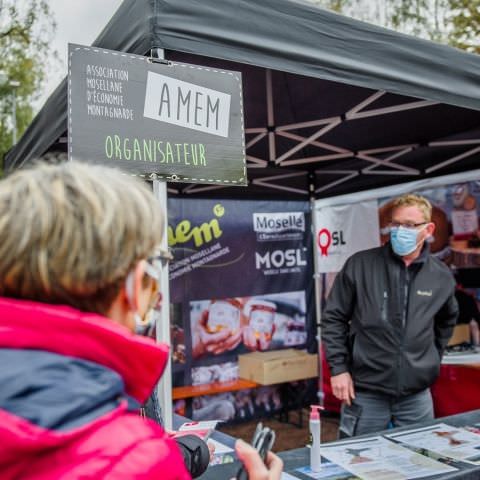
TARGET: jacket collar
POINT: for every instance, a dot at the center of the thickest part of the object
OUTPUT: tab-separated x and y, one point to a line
66	331
422	258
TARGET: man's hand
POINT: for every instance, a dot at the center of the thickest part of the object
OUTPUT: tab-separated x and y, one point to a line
211	448
342	387
257	470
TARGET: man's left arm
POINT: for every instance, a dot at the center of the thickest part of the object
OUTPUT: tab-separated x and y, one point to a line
445	320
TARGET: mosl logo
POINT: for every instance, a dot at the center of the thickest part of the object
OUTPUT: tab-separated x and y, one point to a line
326	238
292	257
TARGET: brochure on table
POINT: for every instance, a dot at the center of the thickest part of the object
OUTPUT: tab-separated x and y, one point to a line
377	458
329	471
452	442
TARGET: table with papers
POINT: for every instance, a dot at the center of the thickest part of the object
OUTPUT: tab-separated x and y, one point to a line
441	450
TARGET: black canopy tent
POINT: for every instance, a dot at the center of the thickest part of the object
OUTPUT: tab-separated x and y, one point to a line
332	105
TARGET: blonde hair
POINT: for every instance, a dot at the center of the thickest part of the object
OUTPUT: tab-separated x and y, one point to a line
413	200
70	233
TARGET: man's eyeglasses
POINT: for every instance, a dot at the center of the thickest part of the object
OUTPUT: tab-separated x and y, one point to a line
410	226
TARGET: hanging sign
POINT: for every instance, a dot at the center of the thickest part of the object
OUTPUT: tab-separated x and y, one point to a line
157	119
342	230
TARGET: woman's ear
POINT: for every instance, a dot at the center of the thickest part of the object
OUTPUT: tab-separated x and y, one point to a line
127	303
133	287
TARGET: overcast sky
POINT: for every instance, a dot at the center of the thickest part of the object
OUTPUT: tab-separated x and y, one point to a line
78	21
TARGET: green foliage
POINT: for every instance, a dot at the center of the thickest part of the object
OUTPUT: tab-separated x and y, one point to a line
335	5
26	29
465	20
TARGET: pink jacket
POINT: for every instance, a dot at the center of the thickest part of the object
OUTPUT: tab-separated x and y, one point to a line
70	387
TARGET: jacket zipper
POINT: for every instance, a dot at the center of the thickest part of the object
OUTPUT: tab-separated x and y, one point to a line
405	299
406	289
384	306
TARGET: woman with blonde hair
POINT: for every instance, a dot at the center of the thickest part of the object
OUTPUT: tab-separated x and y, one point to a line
79	270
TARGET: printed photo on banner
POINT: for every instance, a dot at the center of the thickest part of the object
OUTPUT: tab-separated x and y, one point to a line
220	372
177	334
248	403
239	405
235	325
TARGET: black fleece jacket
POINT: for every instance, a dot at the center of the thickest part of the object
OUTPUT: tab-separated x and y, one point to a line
388	324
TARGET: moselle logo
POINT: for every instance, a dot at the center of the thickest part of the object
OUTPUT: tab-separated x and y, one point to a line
292	257
327	238
279	222
183	232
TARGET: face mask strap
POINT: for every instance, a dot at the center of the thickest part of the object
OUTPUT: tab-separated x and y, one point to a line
141	324
129	289
426	239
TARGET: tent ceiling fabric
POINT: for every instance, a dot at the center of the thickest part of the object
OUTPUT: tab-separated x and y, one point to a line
332	105
306	135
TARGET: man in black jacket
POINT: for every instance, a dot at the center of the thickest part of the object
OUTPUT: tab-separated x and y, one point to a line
388	318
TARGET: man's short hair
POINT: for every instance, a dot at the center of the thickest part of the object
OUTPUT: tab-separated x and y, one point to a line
413	200
71	233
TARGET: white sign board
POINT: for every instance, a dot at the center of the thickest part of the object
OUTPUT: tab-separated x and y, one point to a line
342	230
187	105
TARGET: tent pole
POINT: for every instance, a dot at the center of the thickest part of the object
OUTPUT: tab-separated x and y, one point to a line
164	386
270	116
318	307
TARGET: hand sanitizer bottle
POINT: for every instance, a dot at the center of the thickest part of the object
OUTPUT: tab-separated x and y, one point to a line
314	424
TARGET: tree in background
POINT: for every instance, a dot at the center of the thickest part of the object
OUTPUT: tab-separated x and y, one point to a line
26	29
456	22
465	20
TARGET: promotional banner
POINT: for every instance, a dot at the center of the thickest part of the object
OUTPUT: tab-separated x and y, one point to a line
155	118
240	282
342	230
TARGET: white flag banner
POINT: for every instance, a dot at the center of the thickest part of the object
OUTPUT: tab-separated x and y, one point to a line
342	230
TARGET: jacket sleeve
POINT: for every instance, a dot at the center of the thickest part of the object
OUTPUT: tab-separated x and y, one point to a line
336	321
195	453
153	458
445	320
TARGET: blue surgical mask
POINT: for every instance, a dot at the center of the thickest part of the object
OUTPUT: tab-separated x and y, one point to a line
404	240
